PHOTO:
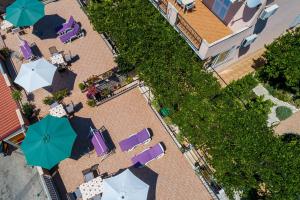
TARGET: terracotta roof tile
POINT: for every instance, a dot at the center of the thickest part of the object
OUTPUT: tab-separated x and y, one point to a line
9	121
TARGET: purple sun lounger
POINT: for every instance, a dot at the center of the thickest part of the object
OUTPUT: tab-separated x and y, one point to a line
99	143
26	50
134	140
152	153
67	26
75	33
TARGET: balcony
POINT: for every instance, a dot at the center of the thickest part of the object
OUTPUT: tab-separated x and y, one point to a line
198	24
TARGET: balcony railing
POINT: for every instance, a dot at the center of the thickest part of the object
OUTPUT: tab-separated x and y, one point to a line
188	31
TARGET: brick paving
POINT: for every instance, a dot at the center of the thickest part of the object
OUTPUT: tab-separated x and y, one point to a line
122	116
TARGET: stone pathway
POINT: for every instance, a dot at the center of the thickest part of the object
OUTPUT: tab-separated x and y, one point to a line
261	91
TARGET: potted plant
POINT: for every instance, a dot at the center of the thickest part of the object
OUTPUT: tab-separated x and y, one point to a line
28	110
91	102
82	87
17	95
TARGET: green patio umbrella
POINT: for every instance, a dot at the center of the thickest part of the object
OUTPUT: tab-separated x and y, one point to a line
48	141
25	12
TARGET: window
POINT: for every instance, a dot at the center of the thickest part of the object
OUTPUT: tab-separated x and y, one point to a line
221	7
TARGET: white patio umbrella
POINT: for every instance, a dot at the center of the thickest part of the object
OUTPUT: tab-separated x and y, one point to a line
125	186
35	75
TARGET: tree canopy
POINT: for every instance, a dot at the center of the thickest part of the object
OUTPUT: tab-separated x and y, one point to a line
282	68
229	123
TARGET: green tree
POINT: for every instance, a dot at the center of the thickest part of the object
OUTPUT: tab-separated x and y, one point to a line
282	68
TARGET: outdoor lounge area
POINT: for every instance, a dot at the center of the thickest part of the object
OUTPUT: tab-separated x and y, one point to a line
123	116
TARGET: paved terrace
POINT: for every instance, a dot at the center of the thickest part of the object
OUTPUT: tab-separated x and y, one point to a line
123	116
94	57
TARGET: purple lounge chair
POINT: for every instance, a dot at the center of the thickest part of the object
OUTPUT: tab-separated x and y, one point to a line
26	50
99	143
155	152
75	33
67	26
134	140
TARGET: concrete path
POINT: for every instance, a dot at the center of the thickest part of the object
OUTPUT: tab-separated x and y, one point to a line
261	91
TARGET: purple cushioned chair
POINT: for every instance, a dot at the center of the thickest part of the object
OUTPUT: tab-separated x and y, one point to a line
67	26
99	143
134	140
75	33
155	152
26	51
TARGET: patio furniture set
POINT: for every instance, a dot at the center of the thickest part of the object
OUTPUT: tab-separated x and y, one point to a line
60	110
187	5
69	31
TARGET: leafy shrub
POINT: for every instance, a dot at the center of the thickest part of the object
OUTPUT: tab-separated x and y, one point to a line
57	96
60	95
17	95
283	112
282	62
297	103
82	86
5	52
28	110
48	100
91	102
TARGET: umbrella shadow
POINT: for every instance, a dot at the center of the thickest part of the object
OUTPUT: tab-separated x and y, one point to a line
62	80
147	175
82	145
47	27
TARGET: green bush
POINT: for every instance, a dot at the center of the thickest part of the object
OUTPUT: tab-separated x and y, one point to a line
48	100
281	69
91	102
5	52
28	109
81	86
17	95
297	103
283	112
60	95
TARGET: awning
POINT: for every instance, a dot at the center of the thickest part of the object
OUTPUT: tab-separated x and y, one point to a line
253	3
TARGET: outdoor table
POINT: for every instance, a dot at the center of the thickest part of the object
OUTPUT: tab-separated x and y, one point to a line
92	188
57	59
6	25
58	111
53	50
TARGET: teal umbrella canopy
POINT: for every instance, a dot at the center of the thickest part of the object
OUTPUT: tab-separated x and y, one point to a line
25	12
48	142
